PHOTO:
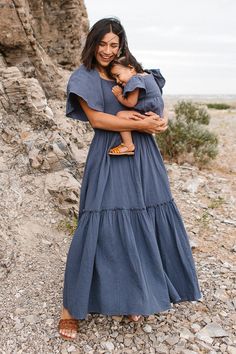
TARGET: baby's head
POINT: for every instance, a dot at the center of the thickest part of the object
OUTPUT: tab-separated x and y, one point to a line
123	68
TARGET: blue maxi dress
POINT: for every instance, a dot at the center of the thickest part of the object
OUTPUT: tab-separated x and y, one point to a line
130	253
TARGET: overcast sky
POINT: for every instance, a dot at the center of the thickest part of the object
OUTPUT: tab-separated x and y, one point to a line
193	42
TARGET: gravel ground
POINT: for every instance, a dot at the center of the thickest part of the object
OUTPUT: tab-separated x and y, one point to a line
34	260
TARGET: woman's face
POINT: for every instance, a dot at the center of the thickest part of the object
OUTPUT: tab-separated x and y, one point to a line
107	49
122	74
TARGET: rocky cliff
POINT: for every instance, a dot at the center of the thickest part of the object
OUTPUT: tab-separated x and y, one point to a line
42	152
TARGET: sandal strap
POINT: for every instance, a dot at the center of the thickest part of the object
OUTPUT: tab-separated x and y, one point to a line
71	324
117	149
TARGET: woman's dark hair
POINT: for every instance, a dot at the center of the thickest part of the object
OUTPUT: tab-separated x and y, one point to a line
127	61
95	35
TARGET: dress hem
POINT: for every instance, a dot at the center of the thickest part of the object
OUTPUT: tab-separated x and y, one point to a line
146	314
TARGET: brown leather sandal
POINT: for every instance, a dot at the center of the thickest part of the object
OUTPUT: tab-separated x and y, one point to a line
68	324
117	150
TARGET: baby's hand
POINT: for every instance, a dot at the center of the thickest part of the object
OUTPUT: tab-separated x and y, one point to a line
117	91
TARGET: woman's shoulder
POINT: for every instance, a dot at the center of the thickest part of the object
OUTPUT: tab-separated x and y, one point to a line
82	72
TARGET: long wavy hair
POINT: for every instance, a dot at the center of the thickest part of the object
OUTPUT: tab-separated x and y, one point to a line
95	35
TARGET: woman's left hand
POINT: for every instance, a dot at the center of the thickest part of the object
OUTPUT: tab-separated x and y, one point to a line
163	122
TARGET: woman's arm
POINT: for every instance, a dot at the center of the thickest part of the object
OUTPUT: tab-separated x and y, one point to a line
129	101
135	121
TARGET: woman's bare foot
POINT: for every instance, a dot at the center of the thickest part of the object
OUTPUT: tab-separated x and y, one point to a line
65	332
134	318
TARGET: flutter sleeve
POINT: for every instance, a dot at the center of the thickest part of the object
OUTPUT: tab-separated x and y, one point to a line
87	85
160	80
134	83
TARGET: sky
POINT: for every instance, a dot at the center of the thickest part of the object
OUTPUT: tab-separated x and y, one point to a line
192	42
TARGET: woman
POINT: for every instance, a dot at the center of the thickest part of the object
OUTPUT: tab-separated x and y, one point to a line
130	254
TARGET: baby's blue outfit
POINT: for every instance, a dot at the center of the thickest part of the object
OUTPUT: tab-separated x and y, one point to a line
130	253
150	98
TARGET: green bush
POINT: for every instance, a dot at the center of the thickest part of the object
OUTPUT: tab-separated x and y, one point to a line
187	139
218	105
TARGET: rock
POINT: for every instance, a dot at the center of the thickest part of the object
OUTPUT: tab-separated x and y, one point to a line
172	340
65	188
186	334
108	345
221	295
195	327
192	185
162	349
231	349
147	328
128	342
31	319
117	318
212	330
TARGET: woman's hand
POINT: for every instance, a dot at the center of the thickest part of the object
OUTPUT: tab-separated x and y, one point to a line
152	123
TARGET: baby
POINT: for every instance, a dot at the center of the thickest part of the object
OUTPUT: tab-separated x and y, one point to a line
140	91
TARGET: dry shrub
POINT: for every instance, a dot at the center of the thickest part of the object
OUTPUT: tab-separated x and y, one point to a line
187	138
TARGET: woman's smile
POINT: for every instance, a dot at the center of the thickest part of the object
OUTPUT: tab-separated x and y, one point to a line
107	49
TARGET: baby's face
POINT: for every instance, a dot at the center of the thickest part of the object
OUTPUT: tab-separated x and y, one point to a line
122	74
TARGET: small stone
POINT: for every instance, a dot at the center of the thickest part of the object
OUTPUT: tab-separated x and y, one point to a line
49	322
19	311
186	334
172	340
195	327
117	318
87	348
192	185
221	295
31	319
231	349
147	329
114	334
212	330
204	338
71	349
128	342
108	345
120	338
187	351
162	349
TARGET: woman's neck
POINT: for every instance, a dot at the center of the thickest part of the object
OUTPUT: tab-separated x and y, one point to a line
102	72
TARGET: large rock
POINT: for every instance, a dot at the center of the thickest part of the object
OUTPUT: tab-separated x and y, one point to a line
37	36
65	190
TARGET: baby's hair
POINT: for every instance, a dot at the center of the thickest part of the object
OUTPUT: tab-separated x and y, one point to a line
126	61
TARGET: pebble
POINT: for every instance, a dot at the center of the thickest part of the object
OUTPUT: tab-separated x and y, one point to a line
172	340
231	349
186	334
212	330
128	342
108	345
147	328
162	349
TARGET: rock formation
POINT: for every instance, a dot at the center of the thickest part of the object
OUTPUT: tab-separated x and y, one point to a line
40	43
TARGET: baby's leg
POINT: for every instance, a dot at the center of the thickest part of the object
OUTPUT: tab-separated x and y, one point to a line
127	147
125	136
